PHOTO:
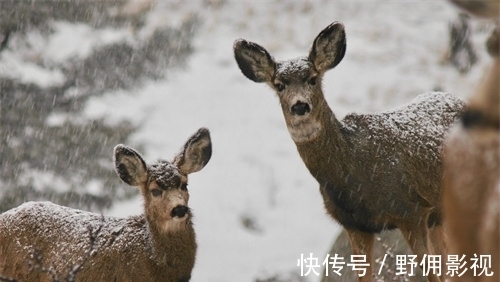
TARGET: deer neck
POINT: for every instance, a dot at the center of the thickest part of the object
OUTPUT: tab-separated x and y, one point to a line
172	244
326	156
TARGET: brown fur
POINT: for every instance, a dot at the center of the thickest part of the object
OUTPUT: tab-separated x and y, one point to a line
376	171
471	193
388	244
47	242
479	8
472	177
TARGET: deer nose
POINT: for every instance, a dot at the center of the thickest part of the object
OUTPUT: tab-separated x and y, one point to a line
179	211
300	108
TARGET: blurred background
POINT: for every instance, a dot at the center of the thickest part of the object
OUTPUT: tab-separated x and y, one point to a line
79	77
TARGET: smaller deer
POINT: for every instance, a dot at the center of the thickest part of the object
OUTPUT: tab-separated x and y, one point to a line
41	241
375	171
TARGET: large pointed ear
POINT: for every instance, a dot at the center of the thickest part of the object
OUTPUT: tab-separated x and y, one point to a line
196	152
254	61
130	166
329	47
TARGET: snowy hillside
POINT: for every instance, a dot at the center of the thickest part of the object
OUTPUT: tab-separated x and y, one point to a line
256	207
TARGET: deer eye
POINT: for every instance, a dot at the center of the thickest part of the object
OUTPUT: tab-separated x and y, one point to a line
156	192
312	80
184	187
279	86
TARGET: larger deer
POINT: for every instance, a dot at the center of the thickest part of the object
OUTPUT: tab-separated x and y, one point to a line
375	171
46	242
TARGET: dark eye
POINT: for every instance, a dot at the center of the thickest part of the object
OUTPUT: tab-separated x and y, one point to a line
156	192
184	187
312	80
280	86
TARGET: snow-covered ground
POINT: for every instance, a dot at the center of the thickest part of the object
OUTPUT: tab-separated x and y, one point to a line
257	208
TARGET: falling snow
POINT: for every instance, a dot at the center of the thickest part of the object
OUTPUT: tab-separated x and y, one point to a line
255	172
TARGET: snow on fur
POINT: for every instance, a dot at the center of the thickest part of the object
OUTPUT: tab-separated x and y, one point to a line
420	124
42	240
65	234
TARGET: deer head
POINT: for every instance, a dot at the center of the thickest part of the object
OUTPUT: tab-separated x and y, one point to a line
163	184
297	82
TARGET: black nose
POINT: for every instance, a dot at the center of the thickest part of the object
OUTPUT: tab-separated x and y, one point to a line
179	211
470	118
300	108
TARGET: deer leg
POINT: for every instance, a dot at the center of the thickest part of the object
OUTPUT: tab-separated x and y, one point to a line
437	240
362	244
437	246
417	239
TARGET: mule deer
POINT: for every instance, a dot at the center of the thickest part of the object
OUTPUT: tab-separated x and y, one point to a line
46	242
375	171
471	192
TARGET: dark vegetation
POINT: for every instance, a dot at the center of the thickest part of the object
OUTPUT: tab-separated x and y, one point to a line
79	150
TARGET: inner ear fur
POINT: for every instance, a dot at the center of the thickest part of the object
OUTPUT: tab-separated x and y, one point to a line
329	47
130	166
196	153
254	61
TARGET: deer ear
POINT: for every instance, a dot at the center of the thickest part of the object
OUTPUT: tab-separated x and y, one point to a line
130	166
254	61
196	152
329	47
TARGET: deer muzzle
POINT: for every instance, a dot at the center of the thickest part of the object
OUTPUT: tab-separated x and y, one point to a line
179	211
300	108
